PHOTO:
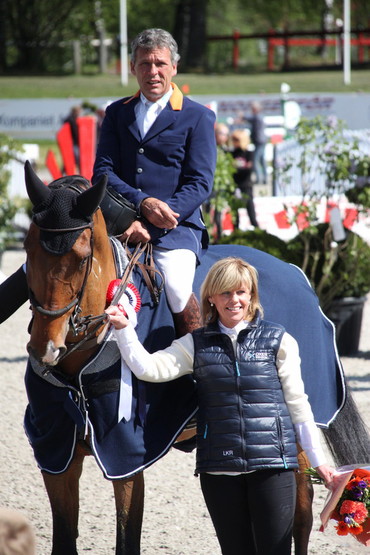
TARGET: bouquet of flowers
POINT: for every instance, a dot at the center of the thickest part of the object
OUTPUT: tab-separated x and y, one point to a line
349	503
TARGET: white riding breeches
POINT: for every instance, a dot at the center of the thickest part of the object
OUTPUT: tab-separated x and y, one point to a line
178	267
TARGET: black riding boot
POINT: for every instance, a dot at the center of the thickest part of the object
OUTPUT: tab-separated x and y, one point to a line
188	319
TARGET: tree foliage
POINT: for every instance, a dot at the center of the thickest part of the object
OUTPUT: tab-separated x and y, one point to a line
37	35
33	27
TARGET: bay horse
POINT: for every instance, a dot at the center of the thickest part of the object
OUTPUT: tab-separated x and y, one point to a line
77	387
73	379
63	289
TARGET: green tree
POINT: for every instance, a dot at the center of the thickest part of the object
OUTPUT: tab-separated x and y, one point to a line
39	34
142	14
190	33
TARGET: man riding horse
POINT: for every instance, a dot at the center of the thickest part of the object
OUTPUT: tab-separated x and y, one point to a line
158	150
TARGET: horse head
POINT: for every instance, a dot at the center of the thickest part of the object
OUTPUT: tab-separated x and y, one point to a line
69	264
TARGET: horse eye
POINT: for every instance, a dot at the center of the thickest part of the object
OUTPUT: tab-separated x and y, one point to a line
83	262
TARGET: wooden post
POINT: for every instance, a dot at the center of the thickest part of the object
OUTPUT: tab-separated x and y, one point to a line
236	36
103	57
360	47
77	56
270	52
286	51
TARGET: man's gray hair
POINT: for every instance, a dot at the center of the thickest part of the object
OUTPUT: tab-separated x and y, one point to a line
155	38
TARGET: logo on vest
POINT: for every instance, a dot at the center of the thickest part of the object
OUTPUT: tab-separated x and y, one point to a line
258	355
228	453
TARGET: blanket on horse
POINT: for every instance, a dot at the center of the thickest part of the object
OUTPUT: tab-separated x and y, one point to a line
288	298
59	411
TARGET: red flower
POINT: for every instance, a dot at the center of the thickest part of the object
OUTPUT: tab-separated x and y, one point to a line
342	528
355	530
356	509
361	473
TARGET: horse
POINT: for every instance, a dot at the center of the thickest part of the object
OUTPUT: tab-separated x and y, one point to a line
81	401
68	266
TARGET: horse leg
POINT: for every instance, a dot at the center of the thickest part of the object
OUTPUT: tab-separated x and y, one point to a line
303	518
63	492
129	497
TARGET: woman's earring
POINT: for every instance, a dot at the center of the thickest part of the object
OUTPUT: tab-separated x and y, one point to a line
211	304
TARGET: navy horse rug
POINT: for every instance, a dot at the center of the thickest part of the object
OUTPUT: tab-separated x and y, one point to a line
131	424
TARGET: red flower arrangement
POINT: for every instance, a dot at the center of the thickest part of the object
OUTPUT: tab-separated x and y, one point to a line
349	503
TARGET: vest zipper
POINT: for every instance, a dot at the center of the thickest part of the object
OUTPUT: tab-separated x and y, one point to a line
241	415
281	443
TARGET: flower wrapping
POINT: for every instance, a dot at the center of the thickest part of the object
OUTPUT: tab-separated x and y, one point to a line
348	503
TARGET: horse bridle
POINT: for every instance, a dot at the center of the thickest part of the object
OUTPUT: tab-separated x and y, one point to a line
82	324
77	323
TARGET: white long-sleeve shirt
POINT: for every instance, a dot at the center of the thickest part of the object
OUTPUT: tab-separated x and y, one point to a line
177	360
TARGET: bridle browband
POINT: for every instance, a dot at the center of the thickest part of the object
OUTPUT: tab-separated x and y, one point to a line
67	230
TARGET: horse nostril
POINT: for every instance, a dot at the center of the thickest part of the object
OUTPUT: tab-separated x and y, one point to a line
50	356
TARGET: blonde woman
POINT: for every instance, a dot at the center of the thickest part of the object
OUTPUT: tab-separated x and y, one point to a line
252	409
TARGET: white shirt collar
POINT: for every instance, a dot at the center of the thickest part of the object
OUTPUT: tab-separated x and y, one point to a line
235	330
161	102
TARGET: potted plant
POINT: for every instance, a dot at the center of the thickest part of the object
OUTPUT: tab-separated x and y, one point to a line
9	149
339	271
335	260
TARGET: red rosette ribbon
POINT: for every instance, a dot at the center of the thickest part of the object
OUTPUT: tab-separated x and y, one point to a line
131	293
133	296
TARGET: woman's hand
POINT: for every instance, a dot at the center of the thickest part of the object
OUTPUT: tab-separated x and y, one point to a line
117	316
328	474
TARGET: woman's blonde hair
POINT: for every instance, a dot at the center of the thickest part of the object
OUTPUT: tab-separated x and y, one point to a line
243	137
229	274
222	133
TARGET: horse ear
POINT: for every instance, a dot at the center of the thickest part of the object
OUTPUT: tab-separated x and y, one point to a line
36	189
90	199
